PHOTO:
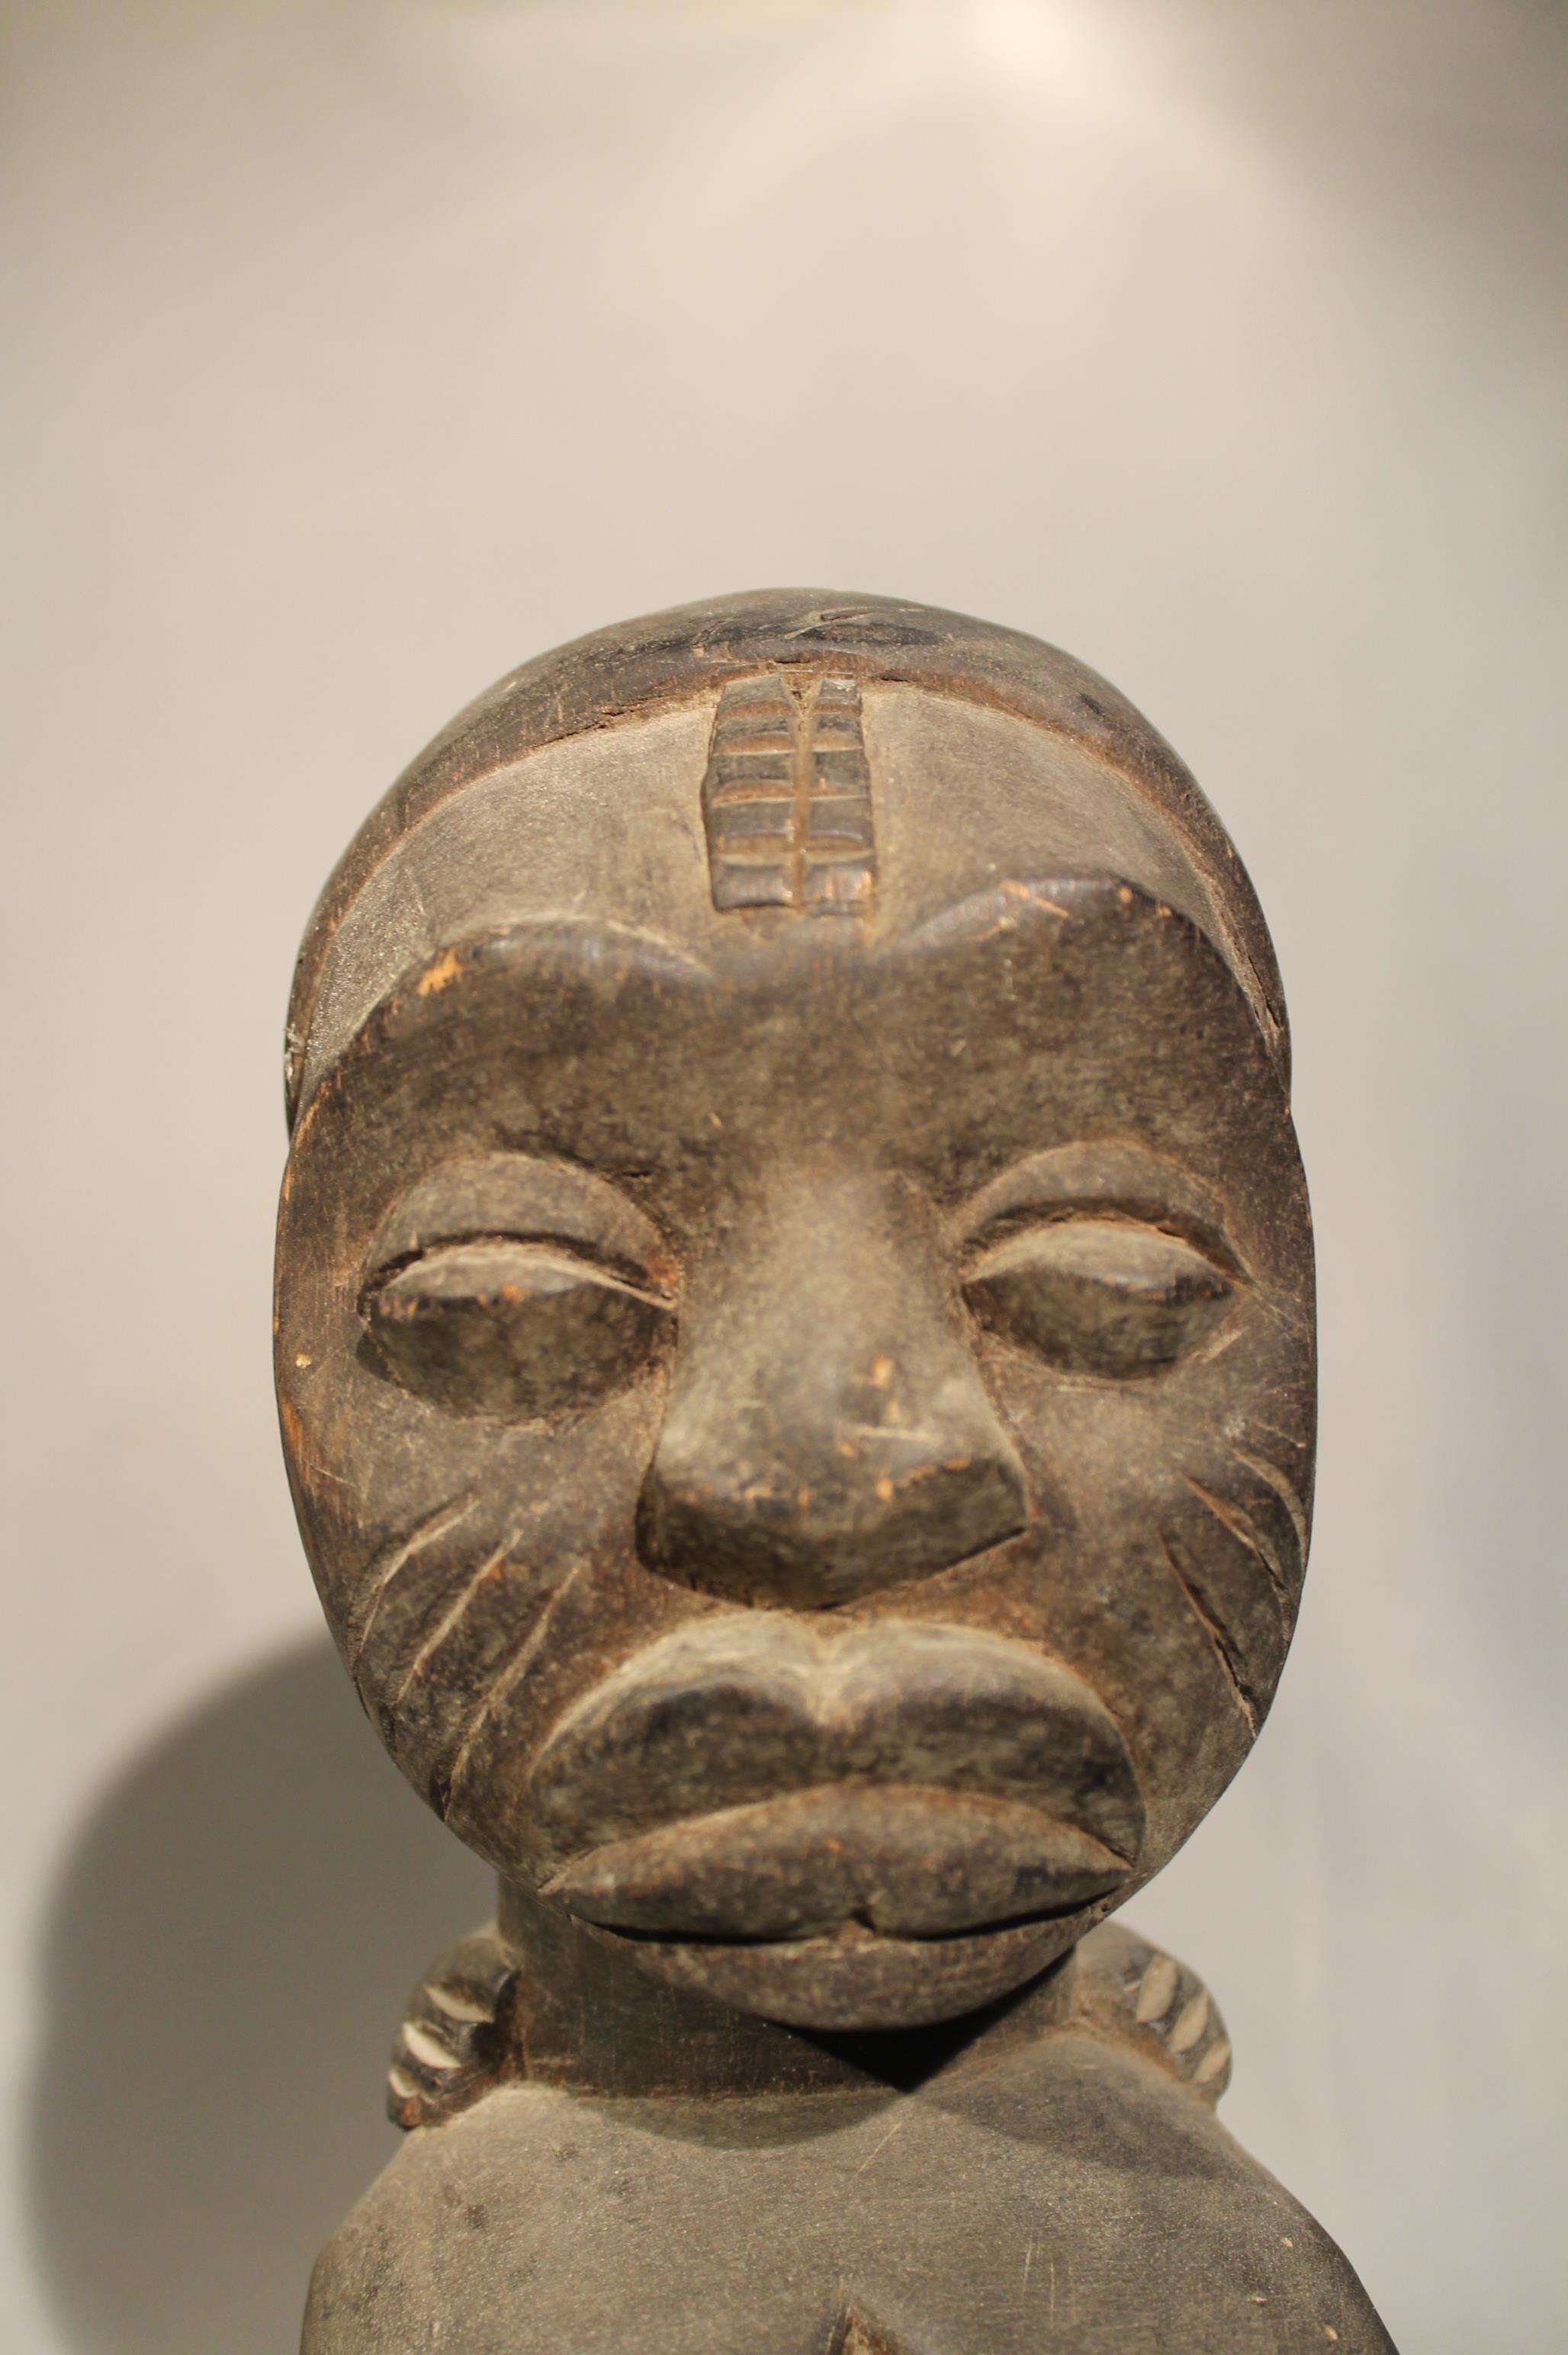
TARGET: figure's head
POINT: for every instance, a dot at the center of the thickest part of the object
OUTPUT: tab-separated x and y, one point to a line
794	1300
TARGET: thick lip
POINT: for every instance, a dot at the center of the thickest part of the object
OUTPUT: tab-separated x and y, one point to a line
755	1778
905	1861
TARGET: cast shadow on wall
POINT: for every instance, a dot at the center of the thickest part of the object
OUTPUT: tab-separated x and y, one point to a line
224	1964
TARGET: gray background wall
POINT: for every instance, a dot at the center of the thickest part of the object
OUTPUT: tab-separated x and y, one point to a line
367	346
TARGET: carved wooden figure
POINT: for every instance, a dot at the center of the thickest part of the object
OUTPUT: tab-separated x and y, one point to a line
794	1340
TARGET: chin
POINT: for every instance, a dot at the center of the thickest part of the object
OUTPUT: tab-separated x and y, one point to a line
857	1978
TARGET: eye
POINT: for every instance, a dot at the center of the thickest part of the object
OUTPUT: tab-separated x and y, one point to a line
512	1329
1099	1295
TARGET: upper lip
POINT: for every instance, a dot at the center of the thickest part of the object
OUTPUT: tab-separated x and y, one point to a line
747	1708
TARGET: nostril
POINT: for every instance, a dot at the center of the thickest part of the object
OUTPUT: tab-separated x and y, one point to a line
806	1540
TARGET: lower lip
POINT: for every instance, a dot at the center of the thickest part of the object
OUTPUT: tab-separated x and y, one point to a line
903	1862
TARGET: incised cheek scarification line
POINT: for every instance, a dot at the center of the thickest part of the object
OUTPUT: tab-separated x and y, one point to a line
1271	1474
452	1617
385	1567
501	1686
312	1474
1231	1517
1217	1640
1274	1429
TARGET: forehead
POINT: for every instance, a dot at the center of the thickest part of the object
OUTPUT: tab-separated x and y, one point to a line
1020	1021
607	829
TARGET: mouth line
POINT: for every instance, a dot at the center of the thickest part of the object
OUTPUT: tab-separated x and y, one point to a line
903	1862
848	1936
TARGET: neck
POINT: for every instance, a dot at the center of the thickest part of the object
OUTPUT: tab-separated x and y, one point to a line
587	2015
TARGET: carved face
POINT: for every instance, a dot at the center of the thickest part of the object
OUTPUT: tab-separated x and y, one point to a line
803	1423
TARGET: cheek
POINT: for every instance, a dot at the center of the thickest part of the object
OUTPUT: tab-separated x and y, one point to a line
441	1543
1165	1553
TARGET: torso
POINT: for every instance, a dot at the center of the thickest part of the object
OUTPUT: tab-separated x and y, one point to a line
1072	2194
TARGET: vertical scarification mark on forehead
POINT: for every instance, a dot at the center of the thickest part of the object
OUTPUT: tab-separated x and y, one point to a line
786	798
838	850
750	794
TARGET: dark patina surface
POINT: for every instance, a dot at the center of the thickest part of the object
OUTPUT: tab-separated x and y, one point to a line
796	1355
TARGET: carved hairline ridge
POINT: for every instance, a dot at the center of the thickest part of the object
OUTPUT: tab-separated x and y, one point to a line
627	673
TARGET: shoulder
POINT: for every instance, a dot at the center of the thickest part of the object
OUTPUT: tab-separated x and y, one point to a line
1128	1992
453	2044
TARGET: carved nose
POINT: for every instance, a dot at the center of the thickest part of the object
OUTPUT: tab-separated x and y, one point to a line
827	1431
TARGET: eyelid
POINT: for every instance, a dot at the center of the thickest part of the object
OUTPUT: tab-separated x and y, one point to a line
520	1198
1091	1305
599	1262
1141	1217
1106	1176
508	1328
